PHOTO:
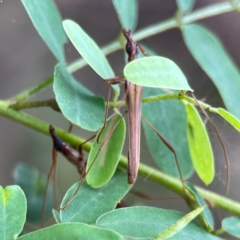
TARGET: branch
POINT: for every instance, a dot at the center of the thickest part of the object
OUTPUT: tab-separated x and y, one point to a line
31	91
205	12
35	104
167	97
53	104
144	170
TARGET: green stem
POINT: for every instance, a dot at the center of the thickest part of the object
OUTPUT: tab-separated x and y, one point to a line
167	97
52	102
35	104
144	170
28	93
219	231
151	30
176	186
39	125
203	13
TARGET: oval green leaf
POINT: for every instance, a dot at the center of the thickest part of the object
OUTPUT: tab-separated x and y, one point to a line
90	203
47	21
65	231
13	209
232	226
210	54
107	160
89	50
170	119
156	72
230	118
200	146
33	185
179	225
206	216
76	102
148	222
127	12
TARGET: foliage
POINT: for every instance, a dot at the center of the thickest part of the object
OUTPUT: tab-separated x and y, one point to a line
92	212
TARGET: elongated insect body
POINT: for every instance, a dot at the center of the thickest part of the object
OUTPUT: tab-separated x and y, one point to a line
134	107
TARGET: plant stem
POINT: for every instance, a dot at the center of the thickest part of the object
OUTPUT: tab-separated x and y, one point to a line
53	104
39	125
167	97
205	12
144	170
176	186
35	104
28	93
219	231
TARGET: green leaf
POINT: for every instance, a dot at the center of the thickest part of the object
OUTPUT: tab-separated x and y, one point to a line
148	222
127	12
47	21
206	215
156	72
164	120
200	147
33	185
106	162
13	208
90	203
65	231
170	119
185	5
232	226
179	225
76	102
230	118
89	50
210	54
56	216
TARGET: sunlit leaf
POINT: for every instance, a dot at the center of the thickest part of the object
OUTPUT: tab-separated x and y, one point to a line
127	12
210	54
106	162
47	20
232	226
156	72
179	225
148	222
13	208
64	231
89	50
206	215
90	203
76	102
33	185
200	147
229	117
169	117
